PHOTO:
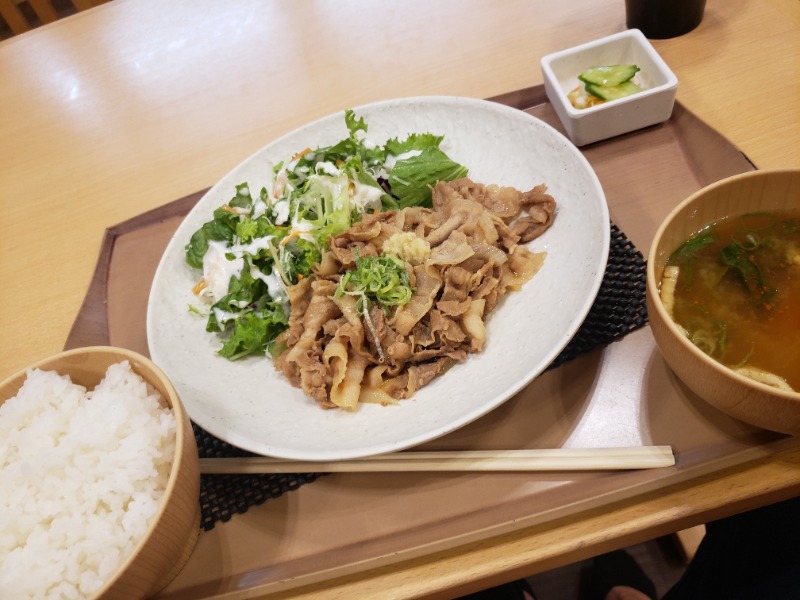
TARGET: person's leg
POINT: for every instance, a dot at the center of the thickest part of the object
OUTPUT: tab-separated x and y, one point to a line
617	576
623	592
750	556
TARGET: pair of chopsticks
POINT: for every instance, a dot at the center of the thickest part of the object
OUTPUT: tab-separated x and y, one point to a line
561	459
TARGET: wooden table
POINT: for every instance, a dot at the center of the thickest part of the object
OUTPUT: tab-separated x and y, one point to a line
120	109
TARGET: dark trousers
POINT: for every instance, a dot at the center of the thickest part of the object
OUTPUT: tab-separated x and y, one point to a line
750	556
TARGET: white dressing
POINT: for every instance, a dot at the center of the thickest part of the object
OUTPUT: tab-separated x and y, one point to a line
366	196
391	160
281	211
327	168
259	208
253	248
218	270
275	286
223	316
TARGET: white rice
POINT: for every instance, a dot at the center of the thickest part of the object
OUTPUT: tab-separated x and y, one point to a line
81	475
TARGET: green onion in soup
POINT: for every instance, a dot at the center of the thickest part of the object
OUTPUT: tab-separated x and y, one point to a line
734	288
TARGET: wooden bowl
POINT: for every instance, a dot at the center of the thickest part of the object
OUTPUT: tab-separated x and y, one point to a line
171	536
738	396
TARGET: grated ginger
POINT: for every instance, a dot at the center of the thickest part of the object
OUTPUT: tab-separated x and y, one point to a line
408	246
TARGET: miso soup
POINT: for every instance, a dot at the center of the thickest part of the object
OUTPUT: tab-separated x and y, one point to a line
735	288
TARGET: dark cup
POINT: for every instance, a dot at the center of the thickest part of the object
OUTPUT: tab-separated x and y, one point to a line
662	19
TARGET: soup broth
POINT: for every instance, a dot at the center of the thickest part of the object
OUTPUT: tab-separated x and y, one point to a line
737	294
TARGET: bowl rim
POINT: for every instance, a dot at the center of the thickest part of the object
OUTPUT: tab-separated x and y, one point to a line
178	410
652	285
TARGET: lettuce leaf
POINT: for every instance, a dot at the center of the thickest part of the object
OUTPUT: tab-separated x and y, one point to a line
242	291
255	327
223	227
415	141
299	258
411	178
254	333
352	154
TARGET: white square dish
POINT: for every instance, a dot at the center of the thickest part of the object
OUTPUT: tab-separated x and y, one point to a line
650	106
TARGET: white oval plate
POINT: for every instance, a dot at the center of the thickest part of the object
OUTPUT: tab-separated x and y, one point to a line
250	405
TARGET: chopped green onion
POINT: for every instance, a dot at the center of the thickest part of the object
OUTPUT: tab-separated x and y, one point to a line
381	279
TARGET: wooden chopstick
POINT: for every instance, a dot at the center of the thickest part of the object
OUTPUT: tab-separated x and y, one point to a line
560	459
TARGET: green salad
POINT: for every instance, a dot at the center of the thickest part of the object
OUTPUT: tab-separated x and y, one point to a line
263	241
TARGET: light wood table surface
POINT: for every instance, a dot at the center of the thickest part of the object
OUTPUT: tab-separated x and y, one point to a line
123	108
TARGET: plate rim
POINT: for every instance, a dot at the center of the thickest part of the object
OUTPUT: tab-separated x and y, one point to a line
266	449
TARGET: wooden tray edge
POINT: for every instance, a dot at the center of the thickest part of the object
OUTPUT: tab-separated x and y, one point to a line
90	327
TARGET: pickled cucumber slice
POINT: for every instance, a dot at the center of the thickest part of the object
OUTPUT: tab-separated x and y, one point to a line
613	92
608	75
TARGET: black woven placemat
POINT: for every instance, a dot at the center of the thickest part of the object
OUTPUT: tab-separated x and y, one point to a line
618	310
222	496
619	307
